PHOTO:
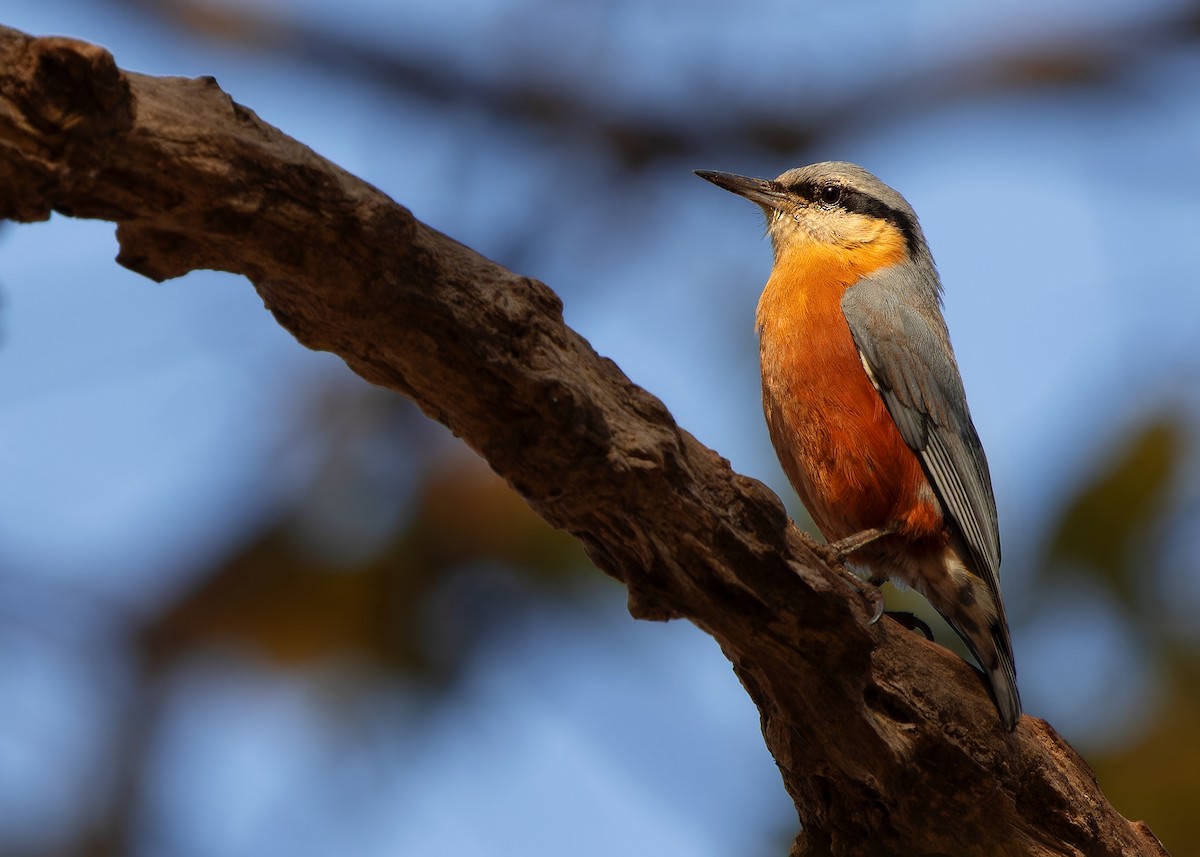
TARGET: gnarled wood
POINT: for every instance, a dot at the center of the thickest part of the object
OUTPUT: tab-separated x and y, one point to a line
888	744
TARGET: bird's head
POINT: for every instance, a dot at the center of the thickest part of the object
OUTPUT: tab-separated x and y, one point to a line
836	206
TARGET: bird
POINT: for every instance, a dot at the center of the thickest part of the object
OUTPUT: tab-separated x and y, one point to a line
865	405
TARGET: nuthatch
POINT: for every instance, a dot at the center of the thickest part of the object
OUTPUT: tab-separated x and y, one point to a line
865	404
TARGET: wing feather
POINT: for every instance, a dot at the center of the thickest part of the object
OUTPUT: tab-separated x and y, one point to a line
907	355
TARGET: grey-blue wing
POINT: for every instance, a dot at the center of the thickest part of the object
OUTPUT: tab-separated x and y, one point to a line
906	353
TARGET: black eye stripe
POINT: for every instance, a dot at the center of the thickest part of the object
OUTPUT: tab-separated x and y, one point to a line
858	202
806	190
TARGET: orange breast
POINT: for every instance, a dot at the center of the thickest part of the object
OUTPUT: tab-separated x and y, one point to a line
836	441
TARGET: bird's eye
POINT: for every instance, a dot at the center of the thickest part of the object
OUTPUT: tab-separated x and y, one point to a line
830	195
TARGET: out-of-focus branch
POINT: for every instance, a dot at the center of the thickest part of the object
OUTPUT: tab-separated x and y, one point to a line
779	126
887	743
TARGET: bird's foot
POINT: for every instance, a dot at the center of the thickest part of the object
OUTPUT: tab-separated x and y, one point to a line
911	622
842	548
834	556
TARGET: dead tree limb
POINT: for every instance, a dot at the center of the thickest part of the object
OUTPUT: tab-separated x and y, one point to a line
888	744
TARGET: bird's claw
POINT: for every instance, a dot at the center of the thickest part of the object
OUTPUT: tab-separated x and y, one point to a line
871	595
874	598
912	622
835	557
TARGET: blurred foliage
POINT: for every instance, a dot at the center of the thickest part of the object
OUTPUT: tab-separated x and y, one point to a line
553	103
1110	526
1157	779
294	599
1111	529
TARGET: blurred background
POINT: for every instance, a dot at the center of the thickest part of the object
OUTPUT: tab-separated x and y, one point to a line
250	605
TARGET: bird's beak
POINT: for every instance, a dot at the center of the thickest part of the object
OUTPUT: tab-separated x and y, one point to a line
765	192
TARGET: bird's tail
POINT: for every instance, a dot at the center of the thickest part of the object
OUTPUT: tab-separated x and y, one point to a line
976	614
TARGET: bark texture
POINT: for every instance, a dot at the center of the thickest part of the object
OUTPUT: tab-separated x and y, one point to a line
887	743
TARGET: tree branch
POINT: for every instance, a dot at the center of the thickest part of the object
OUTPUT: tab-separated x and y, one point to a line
887	743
